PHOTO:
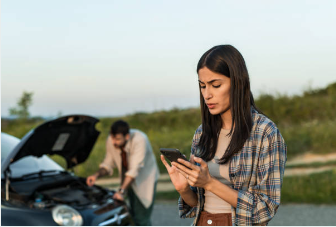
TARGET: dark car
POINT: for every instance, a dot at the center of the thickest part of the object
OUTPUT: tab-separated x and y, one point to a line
35	190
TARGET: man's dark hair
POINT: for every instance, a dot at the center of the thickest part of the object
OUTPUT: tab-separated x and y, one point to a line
119	126
226	60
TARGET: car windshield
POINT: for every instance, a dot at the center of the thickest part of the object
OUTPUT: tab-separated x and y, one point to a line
27	164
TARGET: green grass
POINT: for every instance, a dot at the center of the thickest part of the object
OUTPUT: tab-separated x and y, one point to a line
313	104
319	188
19	128
314	136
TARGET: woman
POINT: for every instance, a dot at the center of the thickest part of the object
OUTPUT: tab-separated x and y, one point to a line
237	156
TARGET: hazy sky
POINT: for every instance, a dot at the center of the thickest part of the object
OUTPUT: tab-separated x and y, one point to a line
107	58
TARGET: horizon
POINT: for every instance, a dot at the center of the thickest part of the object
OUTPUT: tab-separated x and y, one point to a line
275	95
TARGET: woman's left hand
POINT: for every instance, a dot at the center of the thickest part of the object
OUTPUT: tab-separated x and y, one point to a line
197	176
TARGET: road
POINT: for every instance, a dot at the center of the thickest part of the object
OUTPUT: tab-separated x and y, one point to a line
166	214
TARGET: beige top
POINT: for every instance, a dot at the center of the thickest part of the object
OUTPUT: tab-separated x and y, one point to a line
141	164
213	204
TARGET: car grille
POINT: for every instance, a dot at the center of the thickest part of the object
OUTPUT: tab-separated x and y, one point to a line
116	219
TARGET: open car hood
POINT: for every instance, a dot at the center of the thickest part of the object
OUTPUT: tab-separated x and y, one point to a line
72	137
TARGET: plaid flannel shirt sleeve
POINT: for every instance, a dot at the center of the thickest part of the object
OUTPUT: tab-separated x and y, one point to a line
259	204
186	211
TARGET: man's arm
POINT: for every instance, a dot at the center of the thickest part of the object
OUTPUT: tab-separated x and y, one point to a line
90	180
101	172
106	167
127	182
119	195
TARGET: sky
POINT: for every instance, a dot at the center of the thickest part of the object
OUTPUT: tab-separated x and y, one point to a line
111	58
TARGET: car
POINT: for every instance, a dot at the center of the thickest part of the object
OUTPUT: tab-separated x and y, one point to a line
35	190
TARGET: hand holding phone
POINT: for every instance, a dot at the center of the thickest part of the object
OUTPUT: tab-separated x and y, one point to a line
178	179
173	154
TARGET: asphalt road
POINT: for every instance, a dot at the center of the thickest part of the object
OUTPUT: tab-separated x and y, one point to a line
166	214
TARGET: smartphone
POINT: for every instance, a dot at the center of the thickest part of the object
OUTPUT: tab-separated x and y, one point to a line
173	154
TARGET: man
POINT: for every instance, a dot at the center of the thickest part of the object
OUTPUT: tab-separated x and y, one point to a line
130	151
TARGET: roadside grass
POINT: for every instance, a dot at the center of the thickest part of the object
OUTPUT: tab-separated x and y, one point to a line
19	128
318	188
315	136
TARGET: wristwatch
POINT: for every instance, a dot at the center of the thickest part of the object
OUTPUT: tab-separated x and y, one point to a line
122	191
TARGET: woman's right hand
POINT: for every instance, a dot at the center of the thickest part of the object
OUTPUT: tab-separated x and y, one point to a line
178	180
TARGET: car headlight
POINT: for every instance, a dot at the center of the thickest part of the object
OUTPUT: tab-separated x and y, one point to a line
65	215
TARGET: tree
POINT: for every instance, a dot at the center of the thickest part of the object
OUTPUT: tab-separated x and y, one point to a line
21	111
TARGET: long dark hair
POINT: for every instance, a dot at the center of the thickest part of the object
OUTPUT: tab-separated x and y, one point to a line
226	60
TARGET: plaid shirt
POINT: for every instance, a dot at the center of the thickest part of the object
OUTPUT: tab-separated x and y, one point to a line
256	172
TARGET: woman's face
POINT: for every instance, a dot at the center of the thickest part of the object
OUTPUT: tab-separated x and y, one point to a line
215	89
